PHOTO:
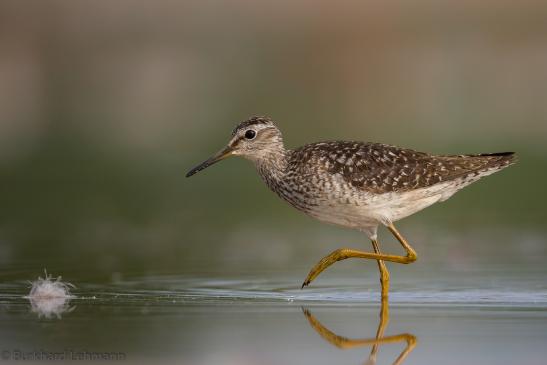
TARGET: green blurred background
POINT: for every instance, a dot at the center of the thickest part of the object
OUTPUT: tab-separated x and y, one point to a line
105	105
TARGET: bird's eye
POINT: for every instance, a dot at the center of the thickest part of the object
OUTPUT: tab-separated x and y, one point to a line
250	134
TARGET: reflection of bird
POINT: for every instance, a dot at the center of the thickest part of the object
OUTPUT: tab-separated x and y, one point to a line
355	184
380	339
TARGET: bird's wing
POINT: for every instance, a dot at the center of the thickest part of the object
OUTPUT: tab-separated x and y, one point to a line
382	168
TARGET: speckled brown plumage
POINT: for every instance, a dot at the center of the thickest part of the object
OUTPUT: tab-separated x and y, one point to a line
381	168
358	185
354	184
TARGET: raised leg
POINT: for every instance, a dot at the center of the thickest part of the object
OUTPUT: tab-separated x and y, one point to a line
346	253
346	343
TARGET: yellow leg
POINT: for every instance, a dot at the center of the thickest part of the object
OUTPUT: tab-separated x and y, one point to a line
384	274
346	343
346	253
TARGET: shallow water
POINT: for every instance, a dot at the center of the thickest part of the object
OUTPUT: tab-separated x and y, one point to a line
492	316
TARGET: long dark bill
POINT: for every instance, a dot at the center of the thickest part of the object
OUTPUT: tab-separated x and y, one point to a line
226	152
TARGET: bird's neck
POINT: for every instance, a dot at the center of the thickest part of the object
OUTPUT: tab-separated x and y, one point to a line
272	166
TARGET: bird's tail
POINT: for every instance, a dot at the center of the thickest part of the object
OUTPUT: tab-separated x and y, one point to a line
497	160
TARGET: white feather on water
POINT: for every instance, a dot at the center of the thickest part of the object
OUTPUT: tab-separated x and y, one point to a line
50	297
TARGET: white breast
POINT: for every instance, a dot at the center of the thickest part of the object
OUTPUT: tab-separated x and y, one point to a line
365	211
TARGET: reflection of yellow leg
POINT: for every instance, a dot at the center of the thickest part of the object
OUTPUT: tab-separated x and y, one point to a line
382	325
346	253
346	343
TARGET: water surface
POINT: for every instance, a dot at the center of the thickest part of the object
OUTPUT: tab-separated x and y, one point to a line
489	317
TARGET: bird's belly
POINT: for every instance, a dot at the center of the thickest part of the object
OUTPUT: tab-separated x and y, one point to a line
346	215
364	210
393	206
403	207
370	210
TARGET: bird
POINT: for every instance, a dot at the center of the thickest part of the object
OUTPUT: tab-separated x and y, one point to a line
357	185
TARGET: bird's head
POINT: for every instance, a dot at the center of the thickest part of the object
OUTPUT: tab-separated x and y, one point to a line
255	139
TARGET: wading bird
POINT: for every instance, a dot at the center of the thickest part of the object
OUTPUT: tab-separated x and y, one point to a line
355	184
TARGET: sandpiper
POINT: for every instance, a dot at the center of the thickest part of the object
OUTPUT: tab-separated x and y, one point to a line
358	185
